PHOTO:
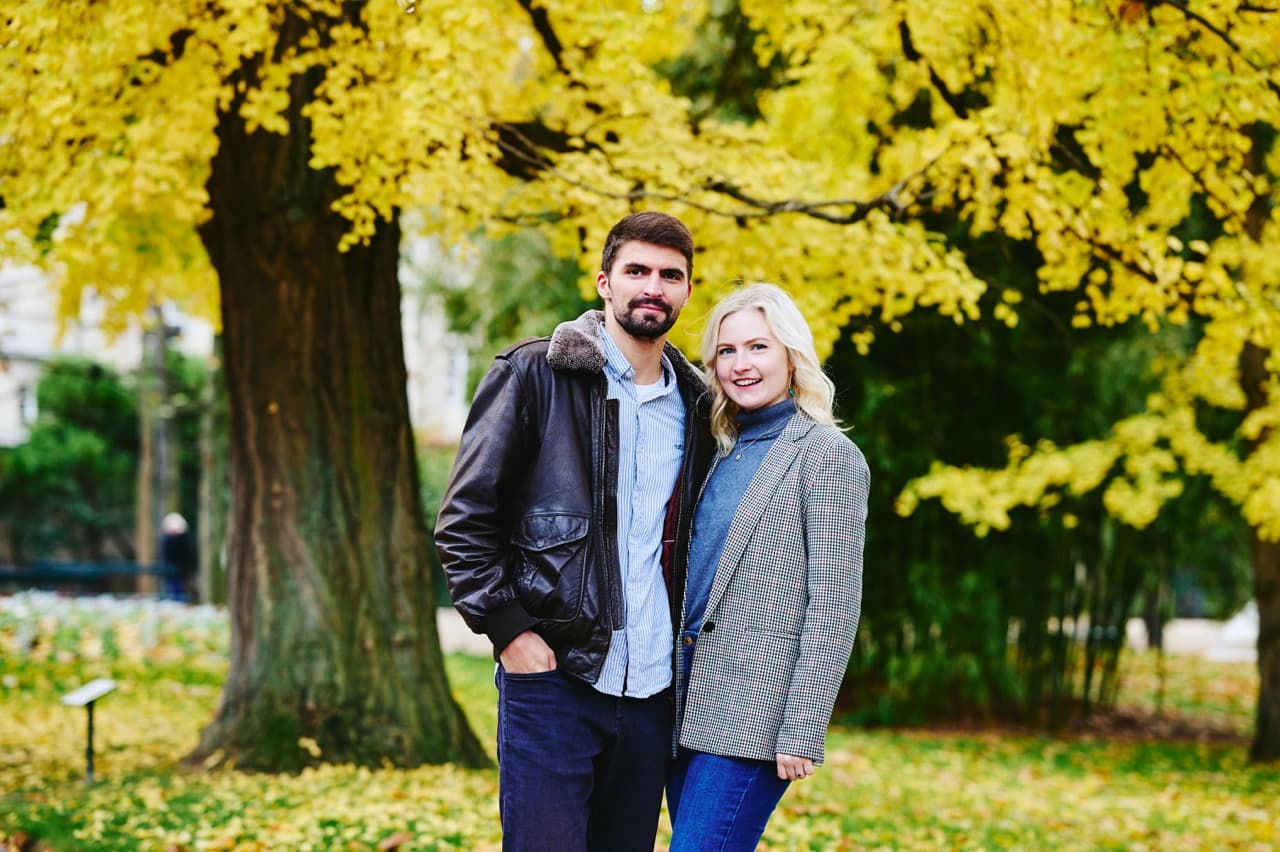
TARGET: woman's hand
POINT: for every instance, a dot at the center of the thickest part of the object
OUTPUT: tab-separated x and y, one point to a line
793	768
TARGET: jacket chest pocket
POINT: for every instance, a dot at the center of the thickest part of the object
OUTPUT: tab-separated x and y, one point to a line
551	549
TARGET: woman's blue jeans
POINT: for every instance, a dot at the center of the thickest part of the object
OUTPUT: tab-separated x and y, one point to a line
719	804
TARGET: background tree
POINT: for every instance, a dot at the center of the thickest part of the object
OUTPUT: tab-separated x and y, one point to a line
333	616
214	485
1029	623
185	380
67	491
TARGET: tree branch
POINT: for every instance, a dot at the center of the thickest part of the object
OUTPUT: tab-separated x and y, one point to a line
1223	36
890	200
1194	174
909	51
512	140
1113	254
542	25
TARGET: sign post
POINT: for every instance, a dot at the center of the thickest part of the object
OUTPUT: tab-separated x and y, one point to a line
84	697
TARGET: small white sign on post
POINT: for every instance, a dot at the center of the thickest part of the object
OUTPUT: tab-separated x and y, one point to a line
84	697
89	693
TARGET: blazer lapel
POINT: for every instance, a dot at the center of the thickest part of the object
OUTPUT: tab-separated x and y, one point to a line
755	501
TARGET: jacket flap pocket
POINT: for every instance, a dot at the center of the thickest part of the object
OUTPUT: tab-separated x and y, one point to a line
545	531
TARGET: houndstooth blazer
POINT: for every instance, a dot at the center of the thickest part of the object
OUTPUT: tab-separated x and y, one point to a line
784	605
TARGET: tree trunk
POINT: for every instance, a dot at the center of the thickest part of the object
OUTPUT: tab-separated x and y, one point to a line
333	617
1255	380
211	577
1266	585
145	533
1266	588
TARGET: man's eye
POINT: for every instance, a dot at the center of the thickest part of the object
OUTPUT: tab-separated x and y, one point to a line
672	275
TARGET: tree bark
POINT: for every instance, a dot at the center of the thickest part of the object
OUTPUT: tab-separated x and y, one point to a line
332	611
145	533
1266	588
1266	585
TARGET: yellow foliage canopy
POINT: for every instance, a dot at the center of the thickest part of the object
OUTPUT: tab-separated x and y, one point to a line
1041	121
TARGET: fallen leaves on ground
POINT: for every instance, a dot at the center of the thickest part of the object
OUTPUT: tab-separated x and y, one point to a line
878	789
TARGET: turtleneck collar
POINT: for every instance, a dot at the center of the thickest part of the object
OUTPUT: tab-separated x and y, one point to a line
762	421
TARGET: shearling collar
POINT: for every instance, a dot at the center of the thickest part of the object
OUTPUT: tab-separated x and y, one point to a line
576	345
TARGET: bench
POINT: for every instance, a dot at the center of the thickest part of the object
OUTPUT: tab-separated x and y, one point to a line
80	577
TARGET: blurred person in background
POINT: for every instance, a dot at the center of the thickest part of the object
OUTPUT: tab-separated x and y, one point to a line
178	553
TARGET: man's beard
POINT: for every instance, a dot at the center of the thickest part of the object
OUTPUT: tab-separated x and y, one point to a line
644	325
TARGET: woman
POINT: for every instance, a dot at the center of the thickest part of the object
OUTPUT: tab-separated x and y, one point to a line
775	576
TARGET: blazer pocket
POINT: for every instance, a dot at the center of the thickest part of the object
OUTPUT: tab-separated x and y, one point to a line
755	676
780	632
551	551
746	652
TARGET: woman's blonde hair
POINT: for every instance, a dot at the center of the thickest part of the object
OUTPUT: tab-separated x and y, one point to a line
814	392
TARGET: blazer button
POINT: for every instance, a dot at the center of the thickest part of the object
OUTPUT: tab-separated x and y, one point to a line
708	627
686	641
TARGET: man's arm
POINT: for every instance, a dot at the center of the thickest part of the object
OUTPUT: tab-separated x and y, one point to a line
473	527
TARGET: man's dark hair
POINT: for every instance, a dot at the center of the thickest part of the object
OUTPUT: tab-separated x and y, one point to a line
649	227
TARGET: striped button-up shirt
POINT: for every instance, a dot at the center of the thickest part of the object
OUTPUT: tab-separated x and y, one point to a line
650	449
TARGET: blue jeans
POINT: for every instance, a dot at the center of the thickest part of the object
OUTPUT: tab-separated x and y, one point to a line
729	799
720	804
577	769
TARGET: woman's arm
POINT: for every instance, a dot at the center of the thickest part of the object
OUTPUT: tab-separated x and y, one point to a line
835	516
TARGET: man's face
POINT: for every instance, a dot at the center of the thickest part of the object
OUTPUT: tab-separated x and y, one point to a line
645	290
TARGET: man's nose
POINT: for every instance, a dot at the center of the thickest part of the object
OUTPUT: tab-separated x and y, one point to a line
653	282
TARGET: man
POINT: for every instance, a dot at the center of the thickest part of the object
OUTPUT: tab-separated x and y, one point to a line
571	497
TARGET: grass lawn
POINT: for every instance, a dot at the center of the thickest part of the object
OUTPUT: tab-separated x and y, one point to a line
879	789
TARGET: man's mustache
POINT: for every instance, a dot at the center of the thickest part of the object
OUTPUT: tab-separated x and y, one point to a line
665	307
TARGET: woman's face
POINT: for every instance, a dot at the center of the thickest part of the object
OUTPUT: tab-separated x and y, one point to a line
751	365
